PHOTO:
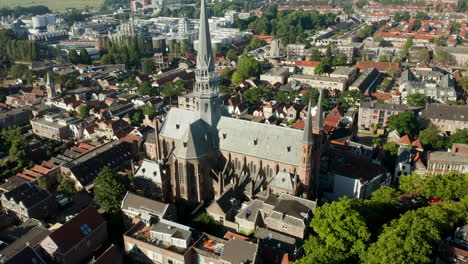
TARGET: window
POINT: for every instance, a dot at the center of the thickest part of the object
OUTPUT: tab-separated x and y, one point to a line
181	174
85	229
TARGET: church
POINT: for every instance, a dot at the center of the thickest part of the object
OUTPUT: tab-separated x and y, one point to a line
205	151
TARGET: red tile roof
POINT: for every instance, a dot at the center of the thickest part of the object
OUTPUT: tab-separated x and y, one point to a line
230	235
69	234
112	255
417	144
300	63
405	140
380	66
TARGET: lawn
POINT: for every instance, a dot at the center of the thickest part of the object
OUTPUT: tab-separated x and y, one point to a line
56	5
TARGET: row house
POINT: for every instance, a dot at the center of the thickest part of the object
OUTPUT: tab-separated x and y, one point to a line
322	82
29	201
284	213
371	113
76	240
15	117
54	126
448	118
111	128
169	242
138	208
439	162
439	87
84	167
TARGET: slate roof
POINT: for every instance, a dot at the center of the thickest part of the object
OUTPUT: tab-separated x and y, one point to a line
235	135
238	251
69	234
198	140
260	140
176	123
133	201
26	256
283	180
446	112
33	236
87	166
28	194
150	169
112	255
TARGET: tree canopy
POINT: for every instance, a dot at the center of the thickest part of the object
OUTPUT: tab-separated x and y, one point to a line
341	234
448	186
258	94
417	99
405	123
350	98
247	67
432	138
110	188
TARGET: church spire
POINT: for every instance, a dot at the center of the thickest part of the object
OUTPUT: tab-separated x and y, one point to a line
205	58
308	137
206	87
318	124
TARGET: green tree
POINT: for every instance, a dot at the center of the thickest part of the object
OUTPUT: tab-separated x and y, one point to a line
18	70
405	123
383	58
286	96
43	183
226	75
422	54
455	27
409	239
350	98
148	66
325	66
460	136
84	57
172	89
66	185
137	118
146	89
149	109
413	184
432	138
255	43
365	32
385	195
443	56
73	56
257	94
247	67
421	16
463	82
110	188
315	54
417	99
340	59
407	46
83	110
106	59
20	151
341	234
232	54
312	95
391	153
